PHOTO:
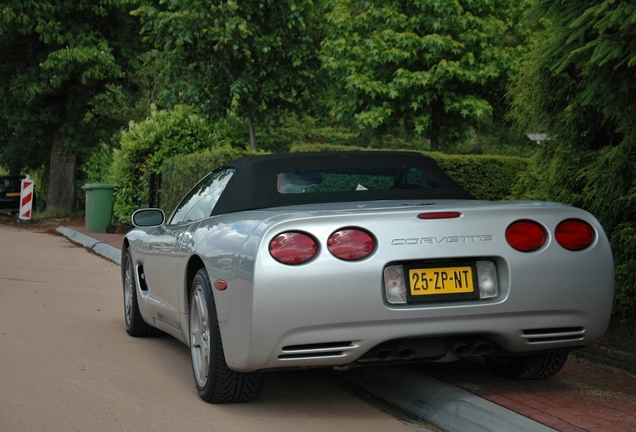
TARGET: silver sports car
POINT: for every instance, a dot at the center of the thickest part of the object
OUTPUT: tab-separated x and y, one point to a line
361	258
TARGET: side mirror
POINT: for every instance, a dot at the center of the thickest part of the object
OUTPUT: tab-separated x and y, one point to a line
148	217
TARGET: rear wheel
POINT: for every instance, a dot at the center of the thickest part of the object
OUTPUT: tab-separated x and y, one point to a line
135	324
215	381
528	367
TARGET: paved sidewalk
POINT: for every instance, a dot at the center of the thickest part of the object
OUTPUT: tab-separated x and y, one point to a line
584	396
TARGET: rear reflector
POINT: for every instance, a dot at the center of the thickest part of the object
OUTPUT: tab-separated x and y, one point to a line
439	215
525	236
293	247
351	244
574	234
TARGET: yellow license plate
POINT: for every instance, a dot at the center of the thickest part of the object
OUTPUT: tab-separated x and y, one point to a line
13	194
446	280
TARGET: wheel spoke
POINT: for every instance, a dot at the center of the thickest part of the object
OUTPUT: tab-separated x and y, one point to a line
200	336
201	306
196	337
204	365
128	292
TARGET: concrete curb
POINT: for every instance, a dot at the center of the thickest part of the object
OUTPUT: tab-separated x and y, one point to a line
107	251
442	405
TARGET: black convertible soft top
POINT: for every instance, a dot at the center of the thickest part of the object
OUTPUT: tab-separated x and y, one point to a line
254	183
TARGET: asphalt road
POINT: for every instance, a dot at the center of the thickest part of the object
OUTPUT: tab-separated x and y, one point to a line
67	364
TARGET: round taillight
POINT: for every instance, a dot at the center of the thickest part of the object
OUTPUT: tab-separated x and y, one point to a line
351	244
293	247
525	236
574	234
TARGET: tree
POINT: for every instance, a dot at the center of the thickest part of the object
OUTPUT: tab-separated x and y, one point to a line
579	84
436	66
252	58
61	58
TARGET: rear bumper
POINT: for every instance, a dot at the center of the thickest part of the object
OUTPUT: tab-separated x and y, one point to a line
337	319
425	339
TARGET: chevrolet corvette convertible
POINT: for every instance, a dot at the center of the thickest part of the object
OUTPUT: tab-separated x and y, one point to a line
349	259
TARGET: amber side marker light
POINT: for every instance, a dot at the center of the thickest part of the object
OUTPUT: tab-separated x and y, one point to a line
574	234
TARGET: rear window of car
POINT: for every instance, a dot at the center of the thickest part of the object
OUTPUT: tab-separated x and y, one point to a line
354	179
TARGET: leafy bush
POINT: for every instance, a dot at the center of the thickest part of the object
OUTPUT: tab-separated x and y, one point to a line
97	167
145	146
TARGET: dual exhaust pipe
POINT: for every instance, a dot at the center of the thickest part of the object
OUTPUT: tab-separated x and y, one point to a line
476	346
461	348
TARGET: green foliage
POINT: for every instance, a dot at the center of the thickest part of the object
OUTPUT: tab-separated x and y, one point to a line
252	58
180	173
578	84
59	56
290	130
623	240
494	139
439	67
96	169
145	146
486	177
311	147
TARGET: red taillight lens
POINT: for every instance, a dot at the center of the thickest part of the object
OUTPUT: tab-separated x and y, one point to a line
293	247
574	234
351	244
525	236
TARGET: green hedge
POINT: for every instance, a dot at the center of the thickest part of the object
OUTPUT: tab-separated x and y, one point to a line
486	177
181	173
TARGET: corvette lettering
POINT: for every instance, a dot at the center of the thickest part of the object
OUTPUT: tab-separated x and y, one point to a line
439	240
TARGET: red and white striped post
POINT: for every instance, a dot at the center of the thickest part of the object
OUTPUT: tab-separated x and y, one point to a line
26	199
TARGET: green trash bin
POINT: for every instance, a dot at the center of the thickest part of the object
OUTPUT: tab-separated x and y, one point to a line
99	207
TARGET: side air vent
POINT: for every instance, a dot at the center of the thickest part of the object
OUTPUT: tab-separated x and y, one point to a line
141	277
564	334
321	350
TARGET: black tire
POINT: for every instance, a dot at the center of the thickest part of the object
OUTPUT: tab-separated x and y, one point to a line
528	367
215	381
135	324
